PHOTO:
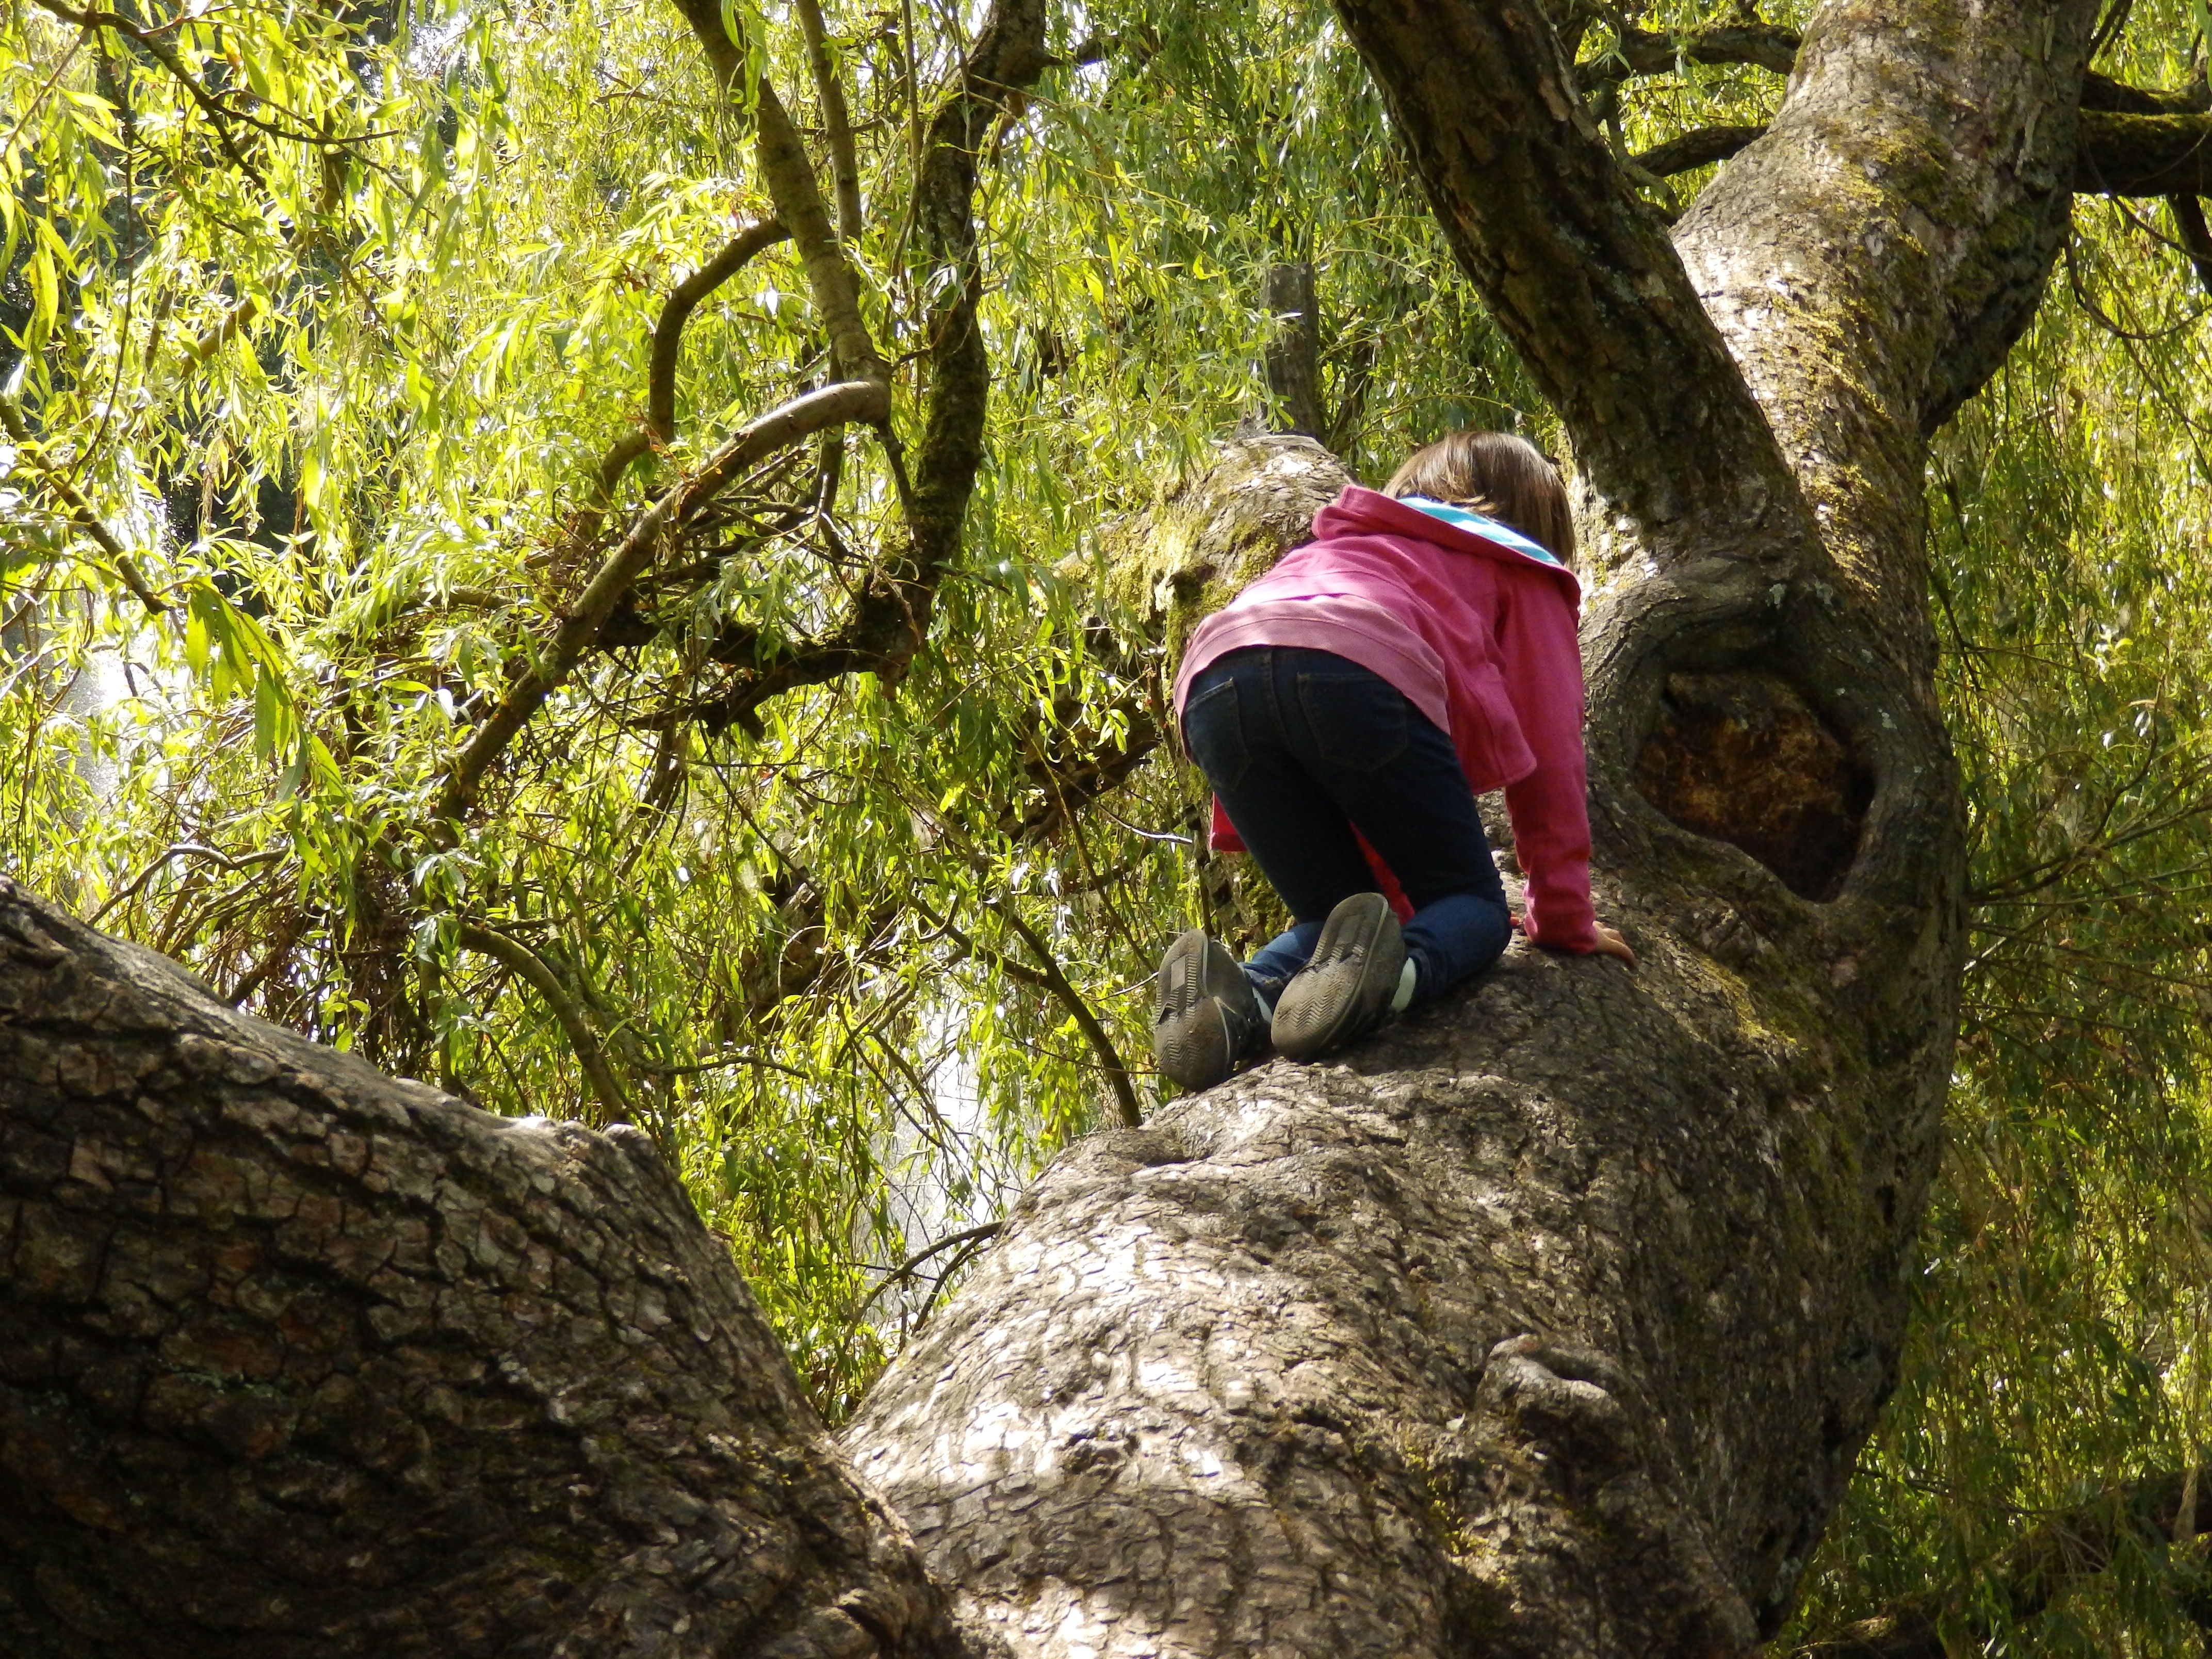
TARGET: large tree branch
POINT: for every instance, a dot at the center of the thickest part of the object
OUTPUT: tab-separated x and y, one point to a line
1634	52
2163	154
1577	271
296	1360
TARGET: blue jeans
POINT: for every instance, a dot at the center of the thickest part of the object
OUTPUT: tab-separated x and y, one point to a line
1301	746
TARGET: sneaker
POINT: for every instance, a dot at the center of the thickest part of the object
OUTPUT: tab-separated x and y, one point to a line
1344	992
1205	1016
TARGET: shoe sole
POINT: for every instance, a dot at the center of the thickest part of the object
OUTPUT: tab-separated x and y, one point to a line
1345	990
1191	1041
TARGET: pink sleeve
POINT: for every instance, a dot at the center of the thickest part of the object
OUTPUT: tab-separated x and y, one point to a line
1223	836
1549	807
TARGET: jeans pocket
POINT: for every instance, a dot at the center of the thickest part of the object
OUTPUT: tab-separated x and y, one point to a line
1357	720
1214	731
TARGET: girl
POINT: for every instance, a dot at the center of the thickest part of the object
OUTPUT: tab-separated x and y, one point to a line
1346	709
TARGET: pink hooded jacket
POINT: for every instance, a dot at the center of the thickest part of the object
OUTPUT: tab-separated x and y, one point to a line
1499	625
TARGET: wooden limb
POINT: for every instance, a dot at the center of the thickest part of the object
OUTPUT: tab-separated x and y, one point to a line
803	416
2165	154
80	510
2124	154
1294	352
1577	270
532	969
683	300
2101	92
1636	52
1700	148
836	121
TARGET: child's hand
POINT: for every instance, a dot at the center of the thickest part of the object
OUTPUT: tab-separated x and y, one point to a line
1610	944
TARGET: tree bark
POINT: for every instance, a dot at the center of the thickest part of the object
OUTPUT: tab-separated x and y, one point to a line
297	1359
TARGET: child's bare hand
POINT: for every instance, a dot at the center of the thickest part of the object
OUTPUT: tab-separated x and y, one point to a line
1610	944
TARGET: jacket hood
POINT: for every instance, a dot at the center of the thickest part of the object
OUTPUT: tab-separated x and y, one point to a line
1358	511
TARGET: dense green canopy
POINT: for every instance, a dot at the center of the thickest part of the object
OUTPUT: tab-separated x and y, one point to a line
328	381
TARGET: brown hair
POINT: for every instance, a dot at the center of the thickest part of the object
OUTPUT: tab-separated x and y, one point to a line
1499	476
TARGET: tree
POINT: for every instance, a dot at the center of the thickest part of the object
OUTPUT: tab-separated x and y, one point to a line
1552	1323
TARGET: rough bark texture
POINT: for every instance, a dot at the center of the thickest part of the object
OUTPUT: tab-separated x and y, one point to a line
298	1359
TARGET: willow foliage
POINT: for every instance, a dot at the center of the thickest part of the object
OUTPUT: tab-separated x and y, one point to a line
321	325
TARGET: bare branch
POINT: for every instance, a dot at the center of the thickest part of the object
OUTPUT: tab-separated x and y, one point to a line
789	175
889	617
1109	1058
1698	148
1640	52
683	300
2101	92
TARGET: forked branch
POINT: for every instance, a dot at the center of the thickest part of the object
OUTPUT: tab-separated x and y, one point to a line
803	416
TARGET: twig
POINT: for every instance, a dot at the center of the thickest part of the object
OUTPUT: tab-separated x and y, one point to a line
81	511
519	959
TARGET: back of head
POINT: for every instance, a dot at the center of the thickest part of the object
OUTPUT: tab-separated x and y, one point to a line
1499	476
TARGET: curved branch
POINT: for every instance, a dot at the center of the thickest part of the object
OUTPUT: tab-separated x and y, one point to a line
1063	991
683	300
520	960
803	416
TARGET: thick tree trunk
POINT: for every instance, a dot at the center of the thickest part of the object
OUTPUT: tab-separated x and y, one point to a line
1549	1323
296	1360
